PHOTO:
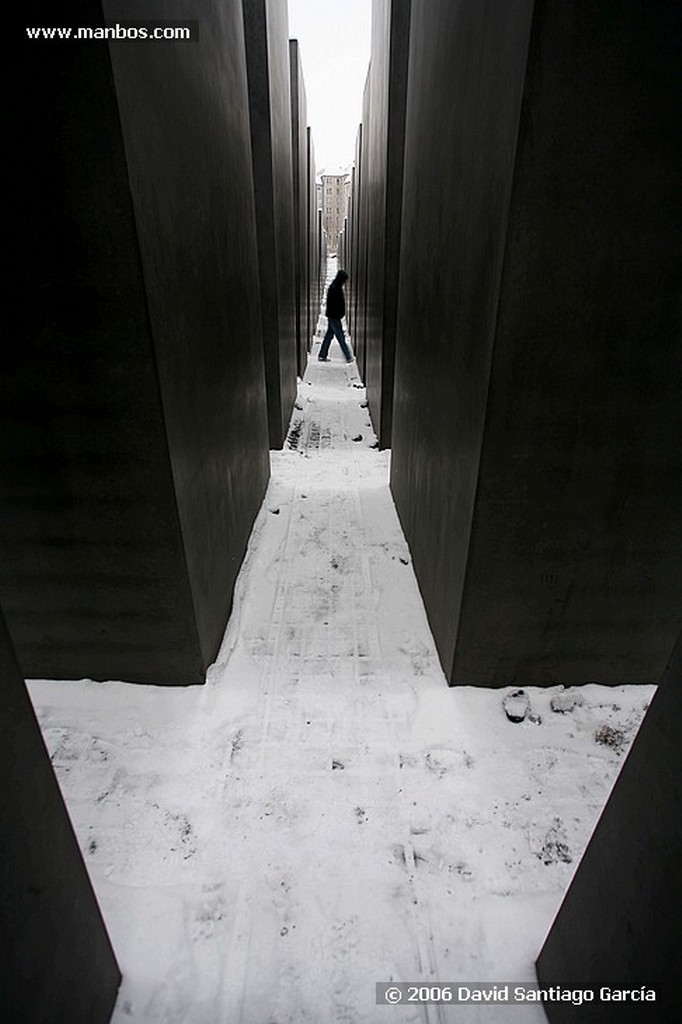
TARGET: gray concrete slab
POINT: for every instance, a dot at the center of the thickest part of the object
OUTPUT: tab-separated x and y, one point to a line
267	51
385	135
360	329
192	152
461	131
312	243
535	463
619	925
299	151
135	449
57	960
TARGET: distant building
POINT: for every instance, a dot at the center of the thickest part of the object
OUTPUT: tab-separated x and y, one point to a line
334	206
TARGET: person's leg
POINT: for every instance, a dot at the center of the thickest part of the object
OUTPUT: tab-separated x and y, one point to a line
326	341
337	328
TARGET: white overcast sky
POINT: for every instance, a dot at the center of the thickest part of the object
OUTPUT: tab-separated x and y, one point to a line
334	40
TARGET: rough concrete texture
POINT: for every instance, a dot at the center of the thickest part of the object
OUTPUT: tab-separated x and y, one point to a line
535	463
129	480
58	964
267	54
619	923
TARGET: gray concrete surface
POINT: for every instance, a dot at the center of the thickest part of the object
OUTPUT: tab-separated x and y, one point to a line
535	452
57	961
385	135
465	83
299	151
135	449
619	924
267	52
312	242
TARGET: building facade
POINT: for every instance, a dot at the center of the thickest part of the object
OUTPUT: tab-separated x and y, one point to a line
335	193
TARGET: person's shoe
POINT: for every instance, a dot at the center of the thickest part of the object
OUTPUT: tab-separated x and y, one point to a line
351	360
323	359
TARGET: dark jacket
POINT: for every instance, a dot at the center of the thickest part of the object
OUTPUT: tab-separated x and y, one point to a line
336	303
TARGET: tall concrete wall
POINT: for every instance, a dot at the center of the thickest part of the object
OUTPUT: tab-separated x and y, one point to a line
134	431
461	128
360	335
619	923
322	269
266	34
348	241
385	140
535	464
299	148
57	961
343	247
356	202
312	242
375	120
207	337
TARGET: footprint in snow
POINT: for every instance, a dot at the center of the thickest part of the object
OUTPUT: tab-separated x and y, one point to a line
555	847
516	705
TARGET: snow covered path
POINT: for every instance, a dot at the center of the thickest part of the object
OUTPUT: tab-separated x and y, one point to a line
325	813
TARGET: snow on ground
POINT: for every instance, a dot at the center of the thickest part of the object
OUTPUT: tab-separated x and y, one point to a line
326	813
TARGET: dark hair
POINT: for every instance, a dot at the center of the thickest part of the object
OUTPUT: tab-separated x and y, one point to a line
343	274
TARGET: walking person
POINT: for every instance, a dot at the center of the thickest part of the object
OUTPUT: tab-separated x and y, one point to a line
335	312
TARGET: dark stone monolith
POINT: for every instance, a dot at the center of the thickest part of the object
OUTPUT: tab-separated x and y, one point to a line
57	961
535	461
134	436
619	924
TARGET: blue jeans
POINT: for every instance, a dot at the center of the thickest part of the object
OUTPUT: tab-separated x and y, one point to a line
335	329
